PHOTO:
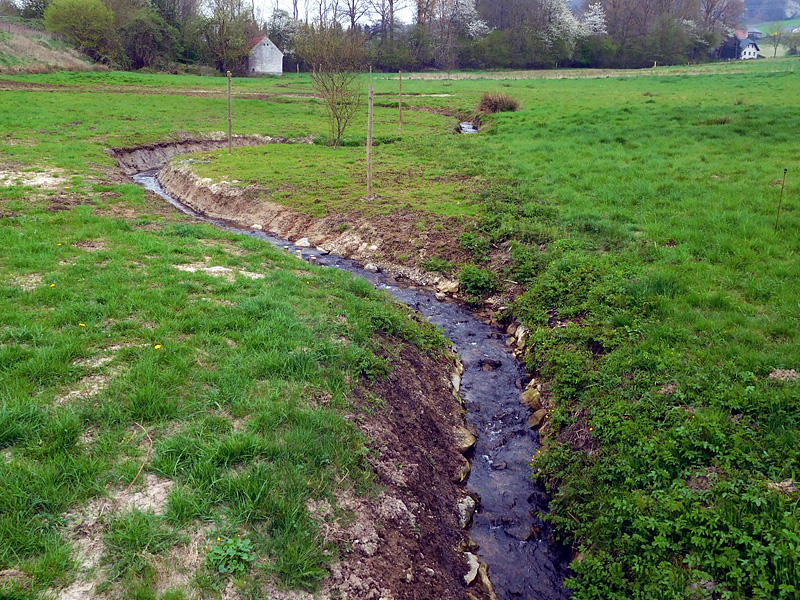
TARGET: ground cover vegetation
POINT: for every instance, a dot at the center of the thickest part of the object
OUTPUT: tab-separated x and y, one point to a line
133	337
662	305
636	216
474	34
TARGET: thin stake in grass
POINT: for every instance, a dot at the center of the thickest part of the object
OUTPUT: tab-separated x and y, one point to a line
230	120
369	142
400	98
783	185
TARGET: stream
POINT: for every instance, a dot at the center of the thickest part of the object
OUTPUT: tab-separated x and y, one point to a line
514	542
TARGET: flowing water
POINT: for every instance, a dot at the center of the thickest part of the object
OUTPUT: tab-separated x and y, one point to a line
514	542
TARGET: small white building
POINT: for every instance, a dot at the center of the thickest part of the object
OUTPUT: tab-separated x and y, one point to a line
264	58
748	49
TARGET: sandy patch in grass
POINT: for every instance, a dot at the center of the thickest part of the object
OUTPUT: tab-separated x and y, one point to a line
227	273
44	179
86	525
90	245
87	387
785	375
28	283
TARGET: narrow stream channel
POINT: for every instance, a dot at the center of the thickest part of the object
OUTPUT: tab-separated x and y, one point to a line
513	541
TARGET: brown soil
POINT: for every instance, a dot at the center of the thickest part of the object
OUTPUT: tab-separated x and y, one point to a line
416	553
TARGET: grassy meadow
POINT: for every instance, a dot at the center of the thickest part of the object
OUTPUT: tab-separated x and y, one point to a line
134	336
637	213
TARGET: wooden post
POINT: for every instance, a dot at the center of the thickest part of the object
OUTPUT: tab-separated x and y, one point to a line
400	99
369	143
230	118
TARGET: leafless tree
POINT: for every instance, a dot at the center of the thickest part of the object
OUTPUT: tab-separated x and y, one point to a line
337	57
354	10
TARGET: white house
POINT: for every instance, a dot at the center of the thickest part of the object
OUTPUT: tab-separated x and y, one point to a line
264	58
748	49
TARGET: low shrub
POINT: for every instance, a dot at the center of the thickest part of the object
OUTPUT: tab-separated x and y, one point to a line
494	103
477	282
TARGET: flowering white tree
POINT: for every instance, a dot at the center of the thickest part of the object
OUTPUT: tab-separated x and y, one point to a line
594	20
561	25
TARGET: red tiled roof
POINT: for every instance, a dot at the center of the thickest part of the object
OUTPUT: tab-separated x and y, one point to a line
256	41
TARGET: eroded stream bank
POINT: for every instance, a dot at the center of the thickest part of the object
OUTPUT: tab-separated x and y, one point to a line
511	539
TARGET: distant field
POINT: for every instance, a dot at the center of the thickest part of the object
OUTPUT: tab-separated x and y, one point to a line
636	215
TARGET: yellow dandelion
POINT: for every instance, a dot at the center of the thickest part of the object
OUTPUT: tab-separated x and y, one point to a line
52	285
82	324
59	243
157	346
219	539
591	428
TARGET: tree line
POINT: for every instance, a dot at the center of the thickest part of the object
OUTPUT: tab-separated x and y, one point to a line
442	34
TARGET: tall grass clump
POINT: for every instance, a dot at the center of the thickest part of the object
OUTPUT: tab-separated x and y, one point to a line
495	103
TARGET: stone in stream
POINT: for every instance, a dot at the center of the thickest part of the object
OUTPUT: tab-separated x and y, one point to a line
466	508
371	267
464	439
532	398
490	363
256	226
537	418
473	564
303	243
462	471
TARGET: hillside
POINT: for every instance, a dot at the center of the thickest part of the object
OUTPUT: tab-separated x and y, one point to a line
27	50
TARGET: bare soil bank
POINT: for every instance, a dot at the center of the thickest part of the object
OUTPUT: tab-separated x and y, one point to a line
378	239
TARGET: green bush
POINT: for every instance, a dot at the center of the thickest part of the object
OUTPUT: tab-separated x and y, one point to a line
477	282
87	23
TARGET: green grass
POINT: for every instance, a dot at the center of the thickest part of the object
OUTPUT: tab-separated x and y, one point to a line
642	210
242	383
637	211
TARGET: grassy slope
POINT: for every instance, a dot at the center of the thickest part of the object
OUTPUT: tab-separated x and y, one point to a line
240	383
23	49
640	213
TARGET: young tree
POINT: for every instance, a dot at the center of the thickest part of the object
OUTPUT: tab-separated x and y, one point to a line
773	33
336	58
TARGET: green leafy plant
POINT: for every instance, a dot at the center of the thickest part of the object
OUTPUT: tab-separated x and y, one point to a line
230	555
477	282
434	263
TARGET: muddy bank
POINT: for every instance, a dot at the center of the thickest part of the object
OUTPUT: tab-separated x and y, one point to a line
377	239
155	156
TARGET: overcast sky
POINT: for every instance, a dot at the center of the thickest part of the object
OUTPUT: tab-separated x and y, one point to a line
405	15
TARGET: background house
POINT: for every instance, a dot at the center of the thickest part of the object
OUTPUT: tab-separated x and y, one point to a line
264	58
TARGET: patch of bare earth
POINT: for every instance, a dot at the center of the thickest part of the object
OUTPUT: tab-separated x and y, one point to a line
785	375
227	273
43	179
85	526
27	283
91	245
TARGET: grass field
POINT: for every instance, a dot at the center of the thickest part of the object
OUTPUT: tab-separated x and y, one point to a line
133	336
637	212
